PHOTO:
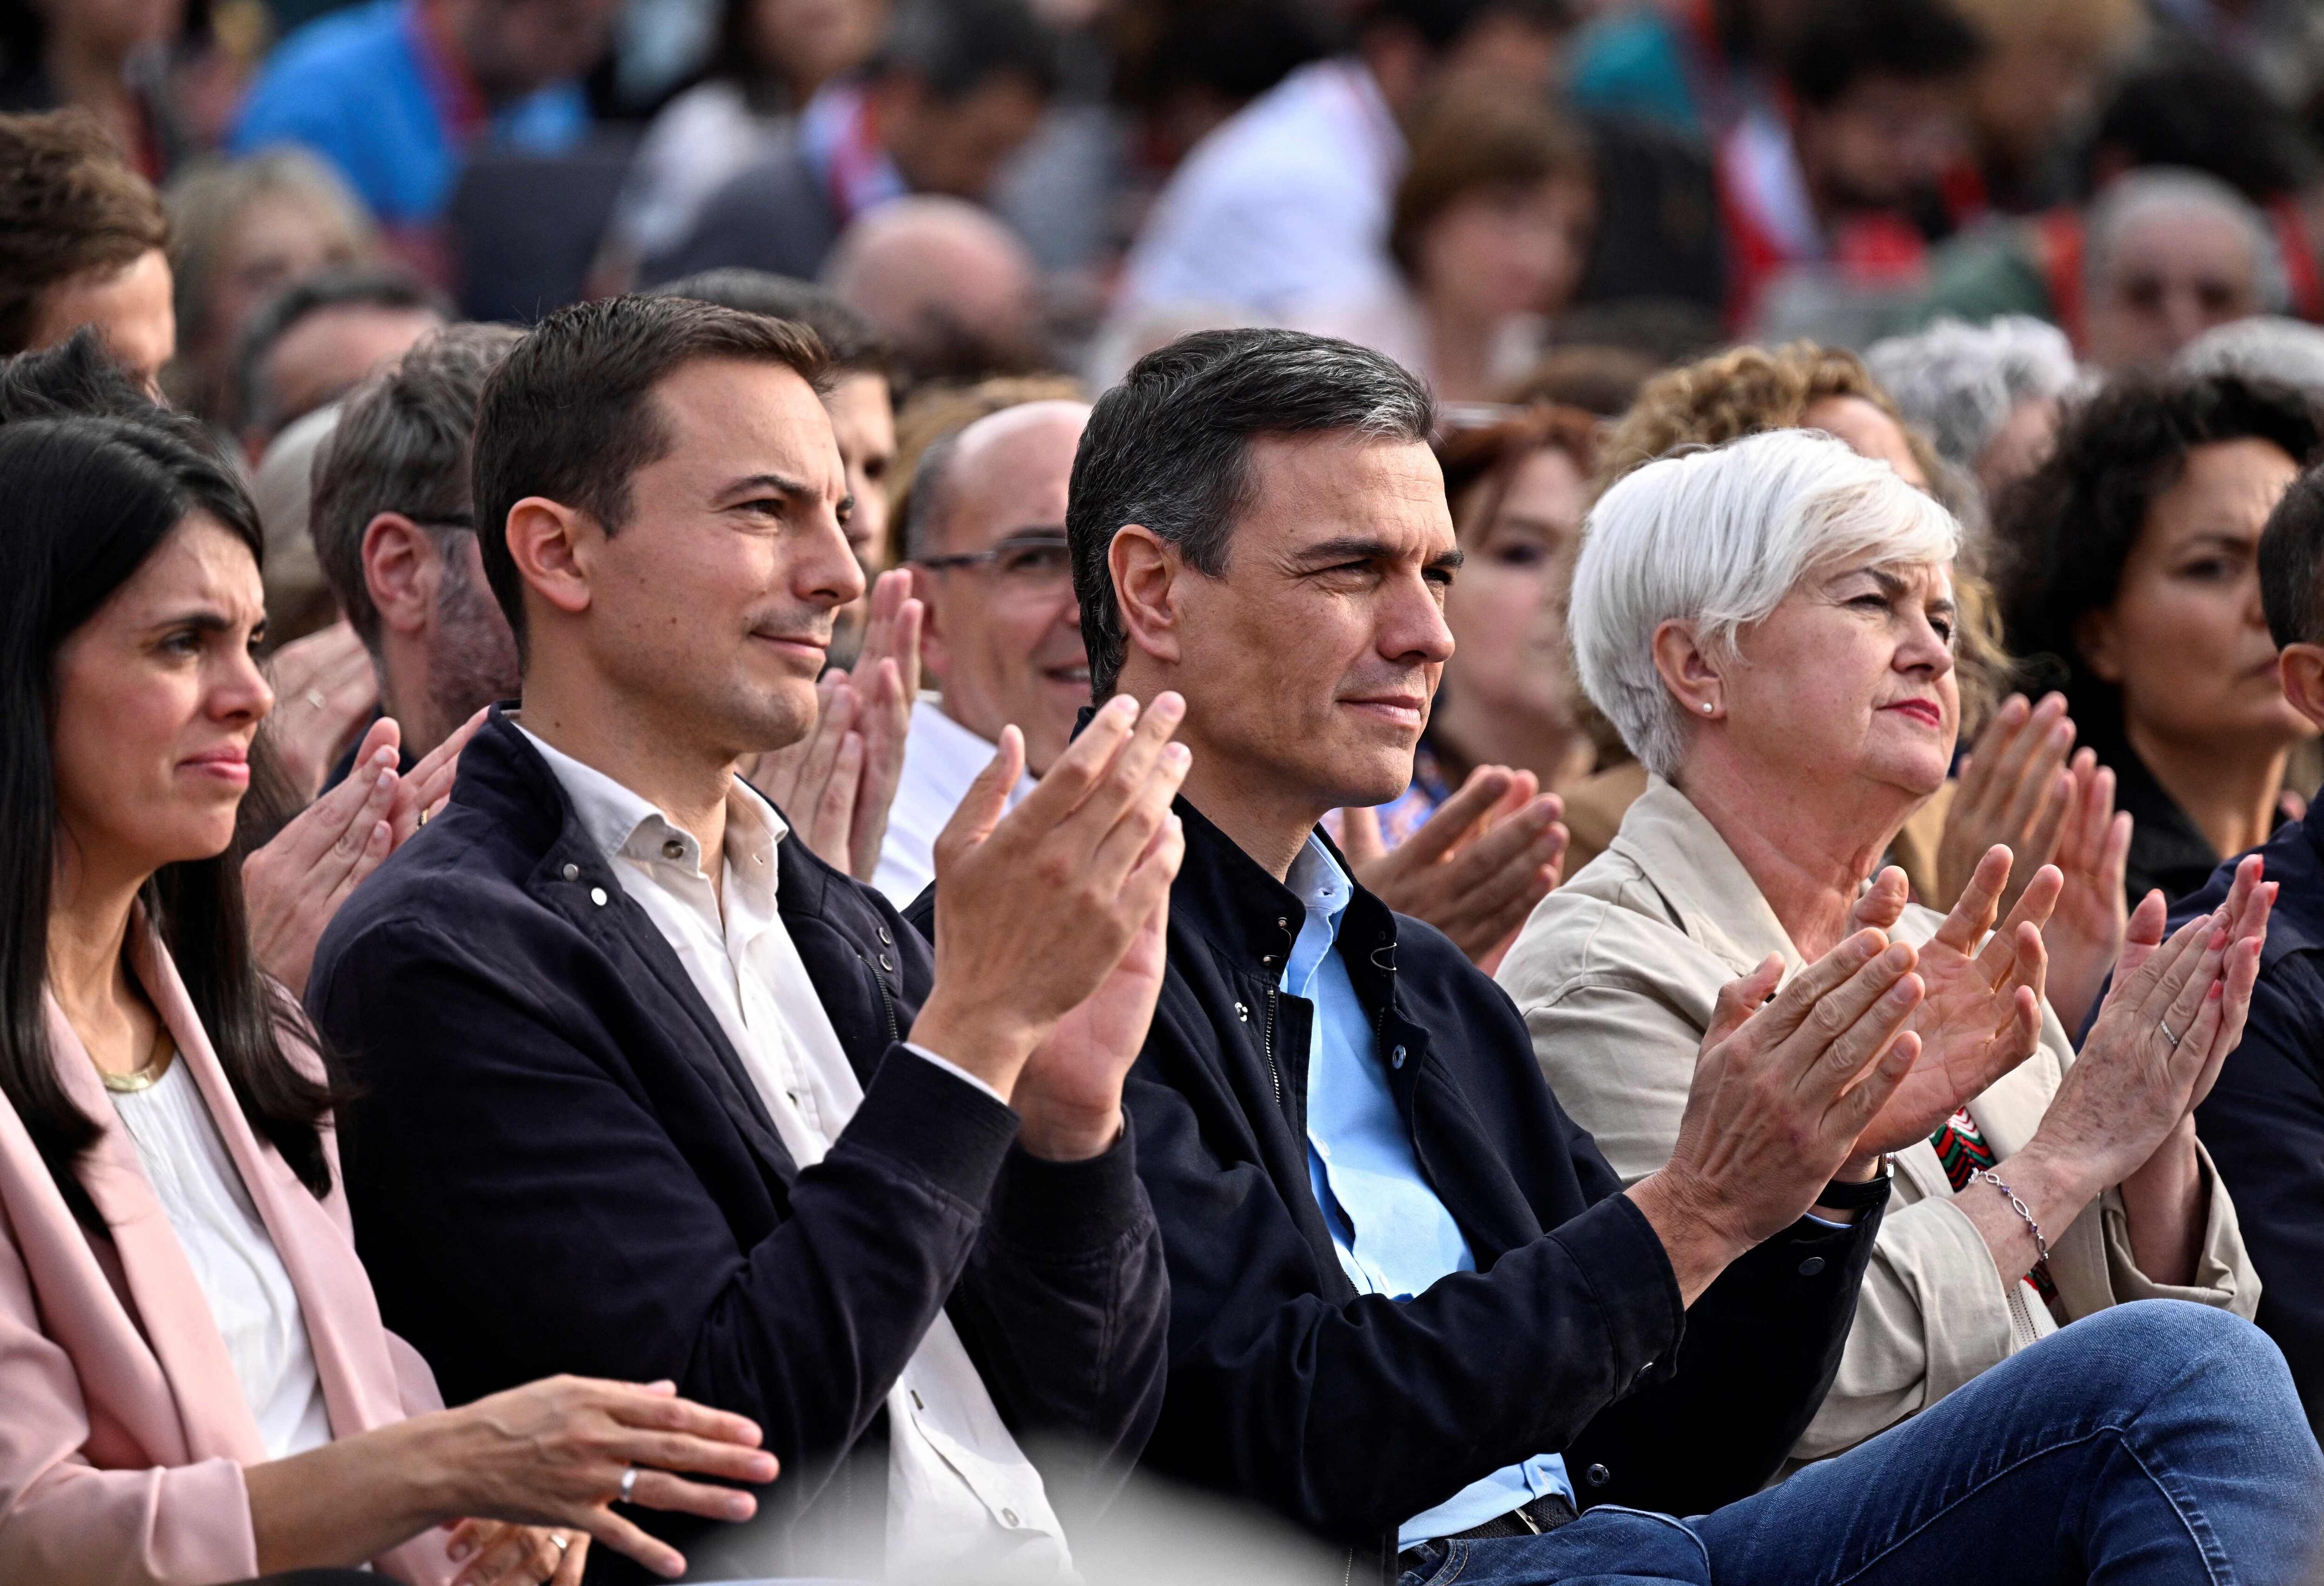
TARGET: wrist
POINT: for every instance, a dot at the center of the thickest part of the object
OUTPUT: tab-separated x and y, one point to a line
2054	1184
2171	1173
422	1472
1066	1134
990	1043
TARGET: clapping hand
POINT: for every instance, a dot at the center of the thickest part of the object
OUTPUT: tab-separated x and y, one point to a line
1475	868
324	687
497	1552
2014	791
428	785
294	884
2086	932
814	781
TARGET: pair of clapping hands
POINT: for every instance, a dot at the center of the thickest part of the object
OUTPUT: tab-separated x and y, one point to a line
1872	1047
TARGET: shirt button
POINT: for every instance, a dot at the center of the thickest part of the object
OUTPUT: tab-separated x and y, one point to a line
1011	1516
1597	1475
572	872
673	849
597	896
1396	1058
1811	1266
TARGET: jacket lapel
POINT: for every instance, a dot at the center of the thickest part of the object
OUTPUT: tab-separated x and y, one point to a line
1710	895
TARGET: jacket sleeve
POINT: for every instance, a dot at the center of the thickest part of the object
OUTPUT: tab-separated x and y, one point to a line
515	1192
1066	1305
2264	1126
1280	1395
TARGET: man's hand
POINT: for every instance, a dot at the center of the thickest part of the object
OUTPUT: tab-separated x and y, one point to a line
324	687
2014	792
886	679
1037	908
1478	865
1070	1094
2086	932
1780	1094
294	885
814	781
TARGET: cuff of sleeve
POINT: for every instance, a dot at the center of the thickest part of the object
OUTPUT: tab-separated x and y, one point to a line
944	1127
1072	1207
955	1070
1629	1273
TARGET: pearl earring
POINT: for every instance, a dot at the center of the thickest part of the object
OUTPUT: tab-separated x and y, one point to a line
1706	707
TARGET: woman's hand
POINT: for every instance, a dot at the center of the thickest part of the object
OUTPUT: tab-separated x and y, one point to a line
324	687
426	786
816	781
886	679
494	1552
2087	931
1476	866
1982	1014
2012	792
294	885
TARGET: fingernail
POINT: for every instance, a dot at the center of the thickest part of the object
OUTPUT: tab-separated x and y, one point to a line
383	755
386	781
462	1550
1121	708
1176	756
740	1506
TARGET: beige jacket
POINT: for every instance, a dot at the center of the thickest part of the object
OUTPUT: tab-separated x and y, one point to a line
1617	972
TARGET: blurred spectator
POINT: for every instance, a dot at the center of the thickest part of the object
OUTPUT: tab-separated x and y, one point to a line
240	232
298	598
81	241
953	290
771	57
105	57
1599	380
2280	42
395	533
861	402
2265	346
2129	579
1986	395
986	544
2035	95
312	341
1186	66
396	93
1689	65
1845	174
940	408
1489	232
1287	204
957	86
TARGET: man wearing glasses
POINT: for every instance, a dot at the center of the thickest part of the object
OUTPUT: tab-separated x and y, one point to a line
986	544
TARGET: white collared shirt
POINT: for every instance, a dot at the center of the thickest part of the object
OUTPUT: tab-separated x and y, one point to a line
941	760
962	1497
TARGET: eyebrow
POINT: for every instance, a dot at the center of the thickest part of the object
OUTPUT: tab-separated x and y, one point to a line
1356	547
208	619
1892	586
753	485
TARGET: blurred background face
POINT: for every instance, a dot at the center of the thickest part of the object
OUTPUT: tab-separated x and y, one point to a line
957	145
1868	432
863	420
321	356
515	46
157	698
808	43
2185	639
1880	142
274	239
1504	250
1004	637
2175	274
110	28
130	307
2019	446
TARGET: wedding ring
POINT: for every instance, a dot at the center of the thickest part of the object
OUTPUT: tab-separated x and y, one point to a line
2168	1034
559	1541
314	698
423	818
629	1483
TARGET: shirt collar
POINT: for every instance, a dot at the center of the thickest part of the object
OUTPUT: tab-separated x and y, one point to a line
621	823
1325	891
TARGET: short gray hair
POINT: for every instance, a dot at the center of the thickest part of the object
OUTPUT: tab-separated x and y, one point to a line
401	446
1716	539
2136	194
2265	346
1959	383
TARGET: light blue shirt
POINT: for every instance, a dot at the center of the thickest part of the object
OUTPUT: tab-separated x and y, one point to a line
1392	1234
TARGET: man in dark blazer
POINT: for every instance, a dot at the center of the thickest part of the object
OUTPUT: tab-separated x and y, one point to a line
1413	1310
644	1090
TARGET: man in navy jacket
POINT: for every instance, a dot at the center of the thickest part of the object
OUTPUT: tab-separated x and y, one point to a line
646	1090
1412	1308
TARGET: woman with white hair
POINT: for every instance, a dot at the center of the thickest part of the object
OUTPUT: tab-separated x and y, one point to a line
1986	395
1770	625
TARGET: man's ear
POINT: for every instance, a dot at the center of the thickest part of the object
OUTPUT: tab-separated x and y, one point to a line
2301	667
2096	636
402	569
1688	671
552	546
1147	570
935	654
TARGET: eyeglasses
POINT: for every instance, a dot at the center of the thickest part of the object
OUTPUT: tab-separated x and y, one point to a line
1030	562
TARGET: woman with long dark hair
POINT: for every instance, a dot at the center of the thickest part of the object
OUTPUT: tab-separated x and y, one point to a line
198	1383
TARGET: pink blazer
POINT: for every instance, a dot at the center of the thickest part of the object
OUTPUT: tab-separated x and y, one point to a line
123	1431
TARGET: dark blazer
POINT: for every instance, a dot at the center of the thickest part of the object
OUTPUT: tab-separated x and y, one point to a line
774	214
2264	1121
1350	1414
556	1163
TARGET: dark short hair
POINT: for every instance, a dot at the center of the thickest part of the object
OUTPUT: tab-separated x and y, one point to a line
386	289
1441	22
2292	564
2064	533
401	446
1169	448
1844	42
852	343
955	47
569	414
69	207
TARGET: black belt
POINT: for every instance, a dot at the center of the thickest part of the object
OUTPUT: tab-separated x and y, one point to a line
1546	1513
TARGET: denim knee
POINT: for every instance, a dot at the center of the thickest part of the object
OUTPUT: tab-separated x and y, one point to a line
2130	1357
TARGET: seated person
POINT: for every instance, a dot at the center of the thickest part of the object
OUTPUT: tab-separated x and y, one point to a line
2264	1120
1413	1309
985	541
1790	687
198	1387
644	1082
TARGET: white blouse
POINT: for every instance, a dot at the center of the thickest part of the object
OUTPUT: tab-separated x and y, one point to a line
233	1260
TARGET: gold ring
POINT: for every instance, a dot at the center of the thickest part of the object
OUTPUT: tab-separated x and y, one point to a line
423	818
559	1540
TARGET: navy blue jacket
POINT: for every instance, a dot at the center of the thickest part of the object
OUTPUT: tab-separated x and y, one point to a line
1349	1413
2264	1121
558	1163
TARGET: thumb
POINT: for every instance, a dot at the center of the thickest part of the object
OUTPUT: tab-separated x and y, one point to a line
1883	903
987	799
1739	999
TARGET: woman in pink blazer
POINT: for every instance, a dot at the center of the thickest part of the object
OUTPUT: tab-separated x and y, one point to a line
195	1385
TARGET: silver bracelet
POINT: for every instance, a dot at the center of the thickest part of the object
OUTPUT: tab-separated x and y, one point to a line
2017	1206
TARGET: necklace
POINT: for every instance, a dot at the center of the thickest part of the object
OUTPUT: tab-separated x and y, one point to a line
143	1079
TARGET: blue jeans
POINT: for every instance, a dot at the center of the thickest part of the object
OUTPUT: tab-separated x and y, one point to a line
2157	1441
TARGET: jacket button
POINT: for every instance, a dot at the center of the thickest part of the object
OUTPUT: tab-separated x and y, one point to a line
885	939
1242	1012
1597	1475
1396	1058
597	896
887	963
1811	1266
572	872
